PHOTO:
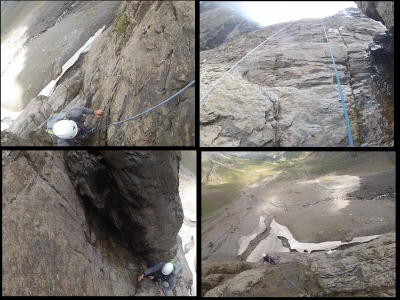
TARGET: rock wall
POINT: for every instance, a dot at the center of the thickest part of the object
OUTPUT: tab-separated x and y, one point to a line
363	270
220	22
285	93
87	222
382	11
130	73
143	57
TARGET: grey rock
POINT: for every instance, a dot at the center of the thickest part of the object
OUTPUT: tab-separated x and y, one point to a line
221	22
382	11
123	82
126	178
367	269
86	223
284	93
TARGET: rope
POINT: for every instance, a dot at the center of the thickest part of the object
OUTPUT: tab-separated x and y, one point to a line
346	117
145	112
294	285
209	91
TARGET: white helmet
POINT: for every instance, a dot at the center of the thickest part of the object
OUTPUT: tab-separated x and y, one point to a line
167	269
264	255
65	129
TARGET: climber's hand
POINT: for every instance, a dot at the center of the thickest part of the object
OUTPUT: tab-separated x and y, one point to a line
160	291
98	112
140	278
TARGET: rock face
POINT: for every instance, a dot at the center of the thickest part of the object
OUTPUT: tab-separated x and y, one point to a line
285	93
215	272
143	57
220	22
382	11
87	222
363	270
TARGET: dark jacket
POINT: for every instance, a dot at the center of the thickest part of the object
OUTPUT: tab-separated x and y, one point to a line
76	114
159	277
269	260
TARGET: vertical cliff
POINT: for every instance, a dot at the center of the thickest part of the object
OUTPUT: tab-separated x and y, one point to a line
285	93
144	55
87	222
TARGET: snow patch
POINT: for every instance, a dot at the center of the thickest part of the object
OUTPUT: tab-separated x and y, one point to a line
273	244
48	90
244	241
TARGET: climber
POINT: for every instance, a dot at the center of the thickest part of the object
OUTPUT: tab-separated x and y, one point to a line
162	272
68	126
268	258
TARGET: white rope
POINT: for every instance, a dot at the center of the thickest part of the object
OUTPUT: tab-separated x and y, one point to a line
239	62
294	284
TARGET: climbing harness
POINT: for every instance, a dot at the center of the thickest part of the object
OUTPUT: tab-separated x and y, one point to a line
145	112
294	285
209	91
346	117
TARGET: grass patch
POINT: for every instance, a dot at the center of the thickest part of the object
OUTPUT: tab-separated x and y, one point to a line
341	163
225	183
121	25
215	197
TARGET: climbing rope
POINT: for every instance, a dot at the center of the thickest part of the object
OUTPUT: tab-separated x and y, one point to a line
346	117
294	285
209	91
145	112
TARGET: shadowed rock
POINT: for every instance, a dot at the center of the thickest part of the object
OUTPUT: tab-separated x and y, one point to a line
87	222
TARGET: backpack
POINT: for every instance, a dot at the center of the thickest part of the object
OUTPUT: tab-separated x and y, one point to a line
62	115
177	266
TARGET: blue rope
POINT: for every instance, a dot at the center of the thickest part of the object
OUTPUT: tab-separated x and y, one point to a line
209	91
346	117
145	112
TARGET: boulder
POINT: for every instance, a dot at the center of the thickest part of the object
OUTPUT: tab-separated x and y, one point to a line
347	238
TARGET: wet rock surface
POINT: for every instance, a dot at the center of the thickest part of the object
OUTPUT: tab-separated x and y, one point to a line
117	184
362	270
77	223
285	93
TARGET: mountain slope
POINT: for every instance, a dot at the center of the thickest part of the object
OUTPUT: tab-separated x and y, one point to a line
354	190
